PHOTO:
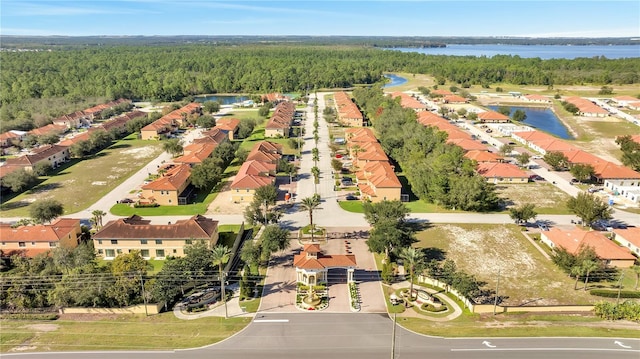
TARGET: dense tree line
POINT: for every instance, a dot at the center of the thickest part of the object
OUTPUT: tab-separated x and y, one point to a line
437	172
170	73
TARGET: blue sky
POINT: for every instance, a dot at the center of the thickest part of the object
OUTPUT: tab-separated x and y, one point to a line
542	18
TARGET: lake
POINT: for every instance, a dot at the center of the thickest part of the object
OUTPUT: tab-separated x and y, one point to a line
223	99
395	80
530	51
543	119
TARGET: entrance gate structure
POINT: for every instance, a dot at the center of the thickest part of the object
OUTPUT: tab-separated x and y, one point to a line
312	265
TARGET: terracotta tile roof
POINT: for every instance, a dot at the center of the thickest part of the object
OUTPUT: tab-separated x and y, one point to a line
574	240
532	136
53	232
346	108
625	98
379	174
311	248
134	227
609	170
37	155
8	135
429	118
483	156
247	181
227	124
441	92
172	180
214	135
370	151
467	144
586	106
169	120
6	169
492	116
316	260
554	145
455	99
282	116
500	170
636	138
265	151
407	101
83	136
360	135
576	156
631	234
50	128
196	153
273	97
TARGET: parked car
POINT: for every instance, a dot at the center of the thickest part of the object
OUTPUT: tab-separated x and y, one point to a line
126	200
350	197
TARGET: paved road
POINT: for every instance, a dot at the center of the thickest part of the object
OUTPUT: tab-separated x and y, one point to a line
368	336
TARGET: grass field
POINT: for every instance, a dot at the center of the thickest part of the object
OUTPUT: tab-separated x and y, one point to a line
526	277
82	183
522	325
111	332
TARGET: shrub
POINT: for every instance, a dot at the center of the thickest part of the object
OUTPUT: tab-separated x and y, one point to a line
614	293
30	316
145	205
431	308
627	310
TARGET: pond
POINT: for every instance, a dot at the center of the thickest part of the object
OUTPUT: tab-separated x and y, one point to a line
543	119
395	80
223	99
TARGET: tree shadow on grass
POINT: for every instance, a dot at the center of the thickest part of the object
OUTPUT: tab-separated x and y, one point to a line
44	187
13	205
120	145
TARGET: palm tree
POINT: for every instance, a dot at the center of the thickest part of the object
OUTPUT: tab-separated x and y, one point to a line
173	146
577	272
413	259
97	217
589	266
221	255
310	204
636	270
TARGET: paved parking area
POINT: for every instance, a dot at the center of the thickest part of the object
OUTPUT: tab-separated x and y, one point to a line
280	285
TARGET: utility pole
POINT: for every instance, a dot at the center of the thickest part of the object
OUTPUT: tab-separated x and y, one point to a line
393	338
619	287
144	295
495	302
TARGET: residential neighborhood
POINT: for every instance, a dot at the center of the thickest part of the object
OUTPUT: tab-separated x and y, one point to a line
435	202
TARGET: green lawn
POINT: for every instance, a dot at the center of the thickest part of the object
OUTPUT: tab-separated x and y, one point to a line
200	207
110	332
80	183
520	325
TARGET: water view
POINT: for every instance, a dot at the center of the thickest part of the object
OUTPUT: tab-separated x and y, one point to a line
223	99
542	119
395	80
529	51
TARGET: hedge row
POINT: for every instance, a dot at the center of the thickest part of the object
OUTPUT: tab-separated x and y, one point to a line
614	293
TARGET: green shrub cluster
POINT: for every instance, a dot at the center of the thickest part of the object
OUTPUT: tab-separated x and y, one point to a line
30	316
146	205
614	293
431	308
627	310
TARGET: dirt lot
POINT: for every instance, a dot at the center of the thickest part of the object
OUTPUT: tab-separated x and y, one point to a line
548	198
525	275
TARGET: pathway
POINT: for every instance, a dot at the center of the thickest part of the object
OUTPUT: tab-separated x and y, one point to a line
410	312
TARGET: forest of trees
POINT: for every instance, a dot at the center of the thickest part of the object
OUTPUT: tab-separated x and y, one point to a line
437	171
170	73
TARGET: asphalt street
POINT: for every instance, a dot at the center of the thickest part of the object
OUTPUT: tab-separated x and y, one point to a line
368	336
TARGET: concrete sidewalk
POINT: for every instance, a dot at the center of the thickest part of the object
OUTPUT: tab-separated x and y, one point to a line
409	312
234	308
